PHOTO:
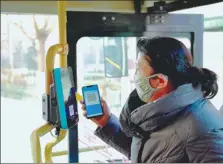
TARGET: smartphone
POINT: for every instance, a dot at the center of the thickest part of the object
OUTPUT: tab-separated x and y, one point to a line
65	94
92	101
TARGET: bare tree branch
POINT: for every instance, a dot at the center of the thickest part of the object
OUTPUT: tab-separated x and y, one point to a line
36	26
51	27
46	22
48	31
23	31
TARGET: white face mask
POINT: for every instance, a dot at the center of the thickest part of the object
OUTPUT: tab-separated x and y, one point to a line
143	87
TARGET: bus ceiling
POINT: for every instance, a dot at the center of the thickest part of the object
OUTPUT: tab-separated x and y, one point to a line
127	6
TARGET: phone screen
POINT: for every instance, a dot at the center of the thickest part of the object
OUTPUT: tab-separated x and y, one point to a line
92	101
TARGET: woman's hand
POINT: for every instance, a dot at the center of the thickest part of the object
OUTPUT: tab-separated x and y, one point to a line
101	121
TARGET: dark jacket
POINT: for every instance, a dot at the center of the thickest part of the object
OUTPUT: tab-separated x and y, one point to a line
179	127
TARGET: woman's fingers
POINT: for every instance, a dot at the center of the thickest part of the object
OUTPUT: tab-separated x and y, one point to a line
85	114
83	105
103	102
83	108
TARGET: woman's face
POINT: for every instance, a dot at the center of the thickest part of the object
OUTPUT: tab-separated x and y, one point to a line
159	82
143	68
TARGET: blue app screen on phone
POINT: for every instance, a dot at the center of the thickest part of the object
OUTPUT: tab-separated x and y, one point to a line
92	101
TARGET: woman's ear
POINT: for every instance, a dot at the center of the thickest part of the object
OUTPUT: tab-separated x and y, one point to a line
163	81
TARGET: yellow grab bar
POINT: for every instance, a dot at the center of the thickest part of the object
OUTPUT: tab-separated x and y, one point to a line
35	141
62	18
50	58
49	146
62	50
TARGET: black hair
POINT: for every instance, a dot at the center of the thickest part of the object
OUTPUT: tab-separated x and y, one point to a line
170	57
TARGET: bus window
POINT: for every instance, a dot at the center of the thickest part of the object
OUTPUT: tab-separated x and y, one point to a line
212	42
213	60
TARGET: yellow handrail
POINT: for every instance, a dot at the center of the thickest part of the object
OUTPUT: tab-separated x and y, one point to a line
50	58
62	18
50	145
62	50
35	141
36	134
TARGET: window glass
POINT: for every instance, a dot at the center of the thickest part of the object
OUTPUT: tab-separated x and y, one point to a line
23	49
213	60
212	43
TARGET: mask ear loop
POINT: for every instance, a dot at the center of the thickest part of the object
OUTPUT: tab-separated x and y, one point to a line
150	77
154	75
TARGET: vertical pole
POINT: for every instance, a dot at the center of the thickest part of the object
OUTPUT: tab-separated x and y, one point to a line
62	18
73	132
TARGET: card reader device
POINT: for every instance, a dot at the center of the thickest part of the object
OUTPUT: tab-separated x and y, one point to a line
60	106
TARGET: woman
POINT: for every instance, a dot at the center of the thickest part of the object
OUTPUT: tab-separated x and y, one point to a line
168	118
